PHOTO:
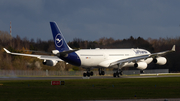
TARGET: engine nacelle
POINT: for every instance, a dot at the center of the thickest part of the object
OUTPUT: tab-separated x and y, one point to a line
141	65
160	60
50	62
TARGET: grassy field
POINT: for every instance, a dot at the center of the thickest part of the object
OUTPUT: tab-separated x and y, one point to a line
92	89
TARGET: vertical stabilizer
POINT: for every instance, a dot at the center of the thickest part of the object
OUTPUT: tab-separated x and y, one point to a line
59	40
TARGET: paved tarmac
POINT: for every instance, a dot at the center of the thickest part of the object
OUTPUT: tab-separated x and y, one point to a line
78	77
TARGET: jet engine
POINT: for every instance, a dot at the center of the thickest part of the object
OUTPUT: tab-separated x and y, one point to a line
50	62
160	60
141	65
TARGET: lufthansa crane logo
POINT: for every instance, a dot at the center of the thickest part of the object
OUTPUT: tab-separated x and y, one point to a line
58	40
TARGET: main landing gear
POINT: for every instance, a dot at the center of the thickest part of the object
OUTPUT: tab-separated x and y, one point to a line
101	71
88	74
117	73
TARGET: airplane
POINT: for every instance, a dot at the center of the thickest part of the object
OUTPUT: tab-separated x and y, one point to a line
98	58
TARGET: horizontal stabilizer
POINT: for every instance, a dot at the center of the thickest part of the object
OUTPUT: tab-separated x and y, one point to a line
65	53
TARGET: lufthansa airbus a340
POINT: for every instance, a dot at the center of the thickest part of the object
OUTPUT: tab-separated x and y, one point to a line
98	58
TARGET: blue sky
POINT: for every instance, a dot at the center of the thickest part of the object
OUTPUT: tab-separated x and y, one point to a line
92	19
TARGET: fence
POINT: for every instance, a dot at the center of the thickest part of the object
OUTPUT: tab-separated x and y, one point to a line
19	73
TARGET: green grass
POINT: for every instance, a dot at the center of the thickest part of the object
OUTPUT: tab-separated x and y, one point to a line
92	89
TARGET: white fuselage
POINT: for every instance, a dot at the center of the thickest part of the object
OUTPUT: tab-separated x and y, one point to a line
99	57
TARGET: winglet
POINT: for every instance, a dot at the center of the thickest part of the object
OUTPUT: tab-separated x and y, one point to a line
174	48
7	50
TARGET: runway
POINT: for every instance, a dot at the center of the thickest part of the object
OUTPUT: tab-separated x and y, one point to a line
78	77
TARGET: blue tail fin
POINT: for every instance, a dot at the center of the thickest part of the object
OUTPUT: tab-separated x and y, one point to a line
59	40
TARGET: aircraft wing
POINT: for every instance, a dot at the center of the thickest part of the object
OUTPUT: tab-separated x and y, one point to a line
154	55
130	59
136	58
43	57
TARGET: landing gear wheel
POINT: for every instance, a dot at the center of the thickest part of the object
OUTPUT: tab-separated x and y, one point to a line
88	74
101	71
91	73
141	72
118	73
84	74
114	74
121	73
